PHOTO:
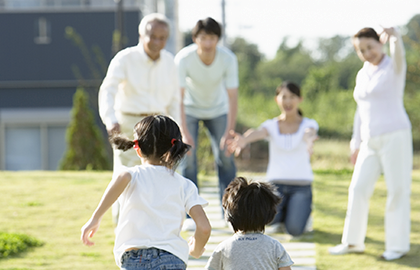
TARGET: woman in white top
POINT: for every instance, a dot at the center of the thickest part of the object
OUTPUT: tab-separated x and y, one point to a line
153	202
290	137
381	143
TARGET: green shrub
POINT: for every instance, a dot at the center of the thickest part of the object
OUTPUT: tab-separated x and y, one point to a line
334	112
13	243
85	144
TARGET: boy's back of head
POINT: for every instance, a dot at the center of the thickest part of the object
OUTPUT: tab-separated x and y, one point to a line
249	206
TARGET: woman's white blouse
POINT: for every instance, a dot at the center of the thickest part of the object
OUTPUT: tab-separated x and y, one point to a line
289	158
379	96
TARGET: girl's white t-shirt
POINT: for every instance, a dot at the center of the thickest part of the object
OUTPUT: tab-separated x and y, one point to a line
289	158
152	209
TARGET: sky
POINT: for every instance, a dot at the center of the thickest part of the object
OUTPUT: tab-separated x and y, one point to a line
266	22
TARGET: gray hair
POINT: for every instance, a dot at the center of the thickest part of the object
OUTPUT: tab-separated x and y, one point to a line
153	17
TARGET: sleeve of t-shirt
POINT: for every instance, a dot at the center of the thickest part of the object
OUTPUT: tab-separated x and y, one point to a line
191	196
129	188
109	88
356	138
215	261
311	123
267	125
283	258
182	71
231	78
396	48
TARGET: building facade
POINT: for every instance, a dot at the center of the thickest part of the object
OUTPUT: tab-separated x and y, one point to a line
48	49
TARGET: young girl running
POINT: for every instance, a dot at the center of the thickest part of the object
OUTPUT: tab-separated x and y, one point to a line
249	206
153	202
291	138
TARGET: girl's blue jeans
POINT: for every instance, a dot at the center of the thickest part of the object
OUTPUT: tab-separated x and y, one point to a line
151	259
295	208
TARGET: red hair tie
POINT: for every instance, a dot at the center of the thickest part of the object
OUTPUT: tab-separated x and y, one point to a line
136	144
173	141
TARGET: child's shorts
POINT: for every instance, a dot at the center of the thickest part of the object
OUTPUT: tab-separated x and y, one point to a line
150	259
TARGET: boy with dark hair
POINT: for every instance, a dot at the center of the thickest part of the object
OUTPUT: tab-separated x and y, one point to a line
249	206
208	76
208	26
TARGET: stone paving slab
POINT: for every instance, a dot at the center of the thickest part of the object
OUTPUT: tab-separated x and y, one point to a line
302	253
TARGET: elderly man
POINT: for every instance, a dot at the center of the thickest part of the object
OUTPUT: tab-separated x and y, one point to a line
141	80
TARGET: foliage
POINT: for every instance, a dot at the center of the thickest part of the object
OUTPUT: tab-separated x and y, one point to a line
290	63
205	158
95	61
334	112
333	48
85	144
413	31
96	65
319	80
14	243
249	58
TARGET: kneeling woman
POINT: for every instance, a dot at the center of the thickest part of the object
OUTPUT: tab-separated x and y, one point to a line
290	137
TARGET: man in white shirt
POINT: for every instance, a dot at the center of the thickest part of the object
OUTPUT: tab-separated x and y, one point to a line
141	80
208	77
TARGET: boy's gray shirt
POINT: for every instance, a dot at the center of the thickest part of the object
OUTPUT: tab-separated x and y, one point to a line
249	251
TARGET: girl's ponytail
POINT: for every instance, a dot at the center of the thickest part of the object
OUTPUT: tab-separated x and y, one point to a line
175	154
120	142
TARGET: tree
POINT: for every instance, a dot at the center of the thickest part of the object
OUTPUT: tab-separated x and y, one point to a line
413	30
85	145
334	48
290	63
412	95
248	59
319	79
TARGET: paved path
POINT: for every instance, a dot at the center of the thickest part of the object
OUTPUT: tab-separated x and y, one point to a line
302	253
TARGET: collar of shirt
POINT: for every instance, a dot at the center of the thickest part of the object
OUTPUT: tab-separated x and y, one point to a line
372	69
144	55
242	233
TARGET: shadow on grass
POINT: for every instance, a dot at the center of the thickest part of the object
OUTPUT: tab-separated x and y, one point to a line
18	255
328	237
412	259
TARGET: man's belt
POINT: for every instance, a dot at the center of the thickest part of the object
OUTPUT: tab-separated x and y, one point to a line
139	114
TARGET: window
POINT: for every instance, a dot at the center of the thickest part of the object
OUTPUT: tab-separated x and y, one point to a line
32	139
42	31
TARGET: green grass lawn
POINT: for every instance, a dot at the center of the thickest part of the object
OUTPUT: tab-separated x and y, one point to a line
52	207
330	198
